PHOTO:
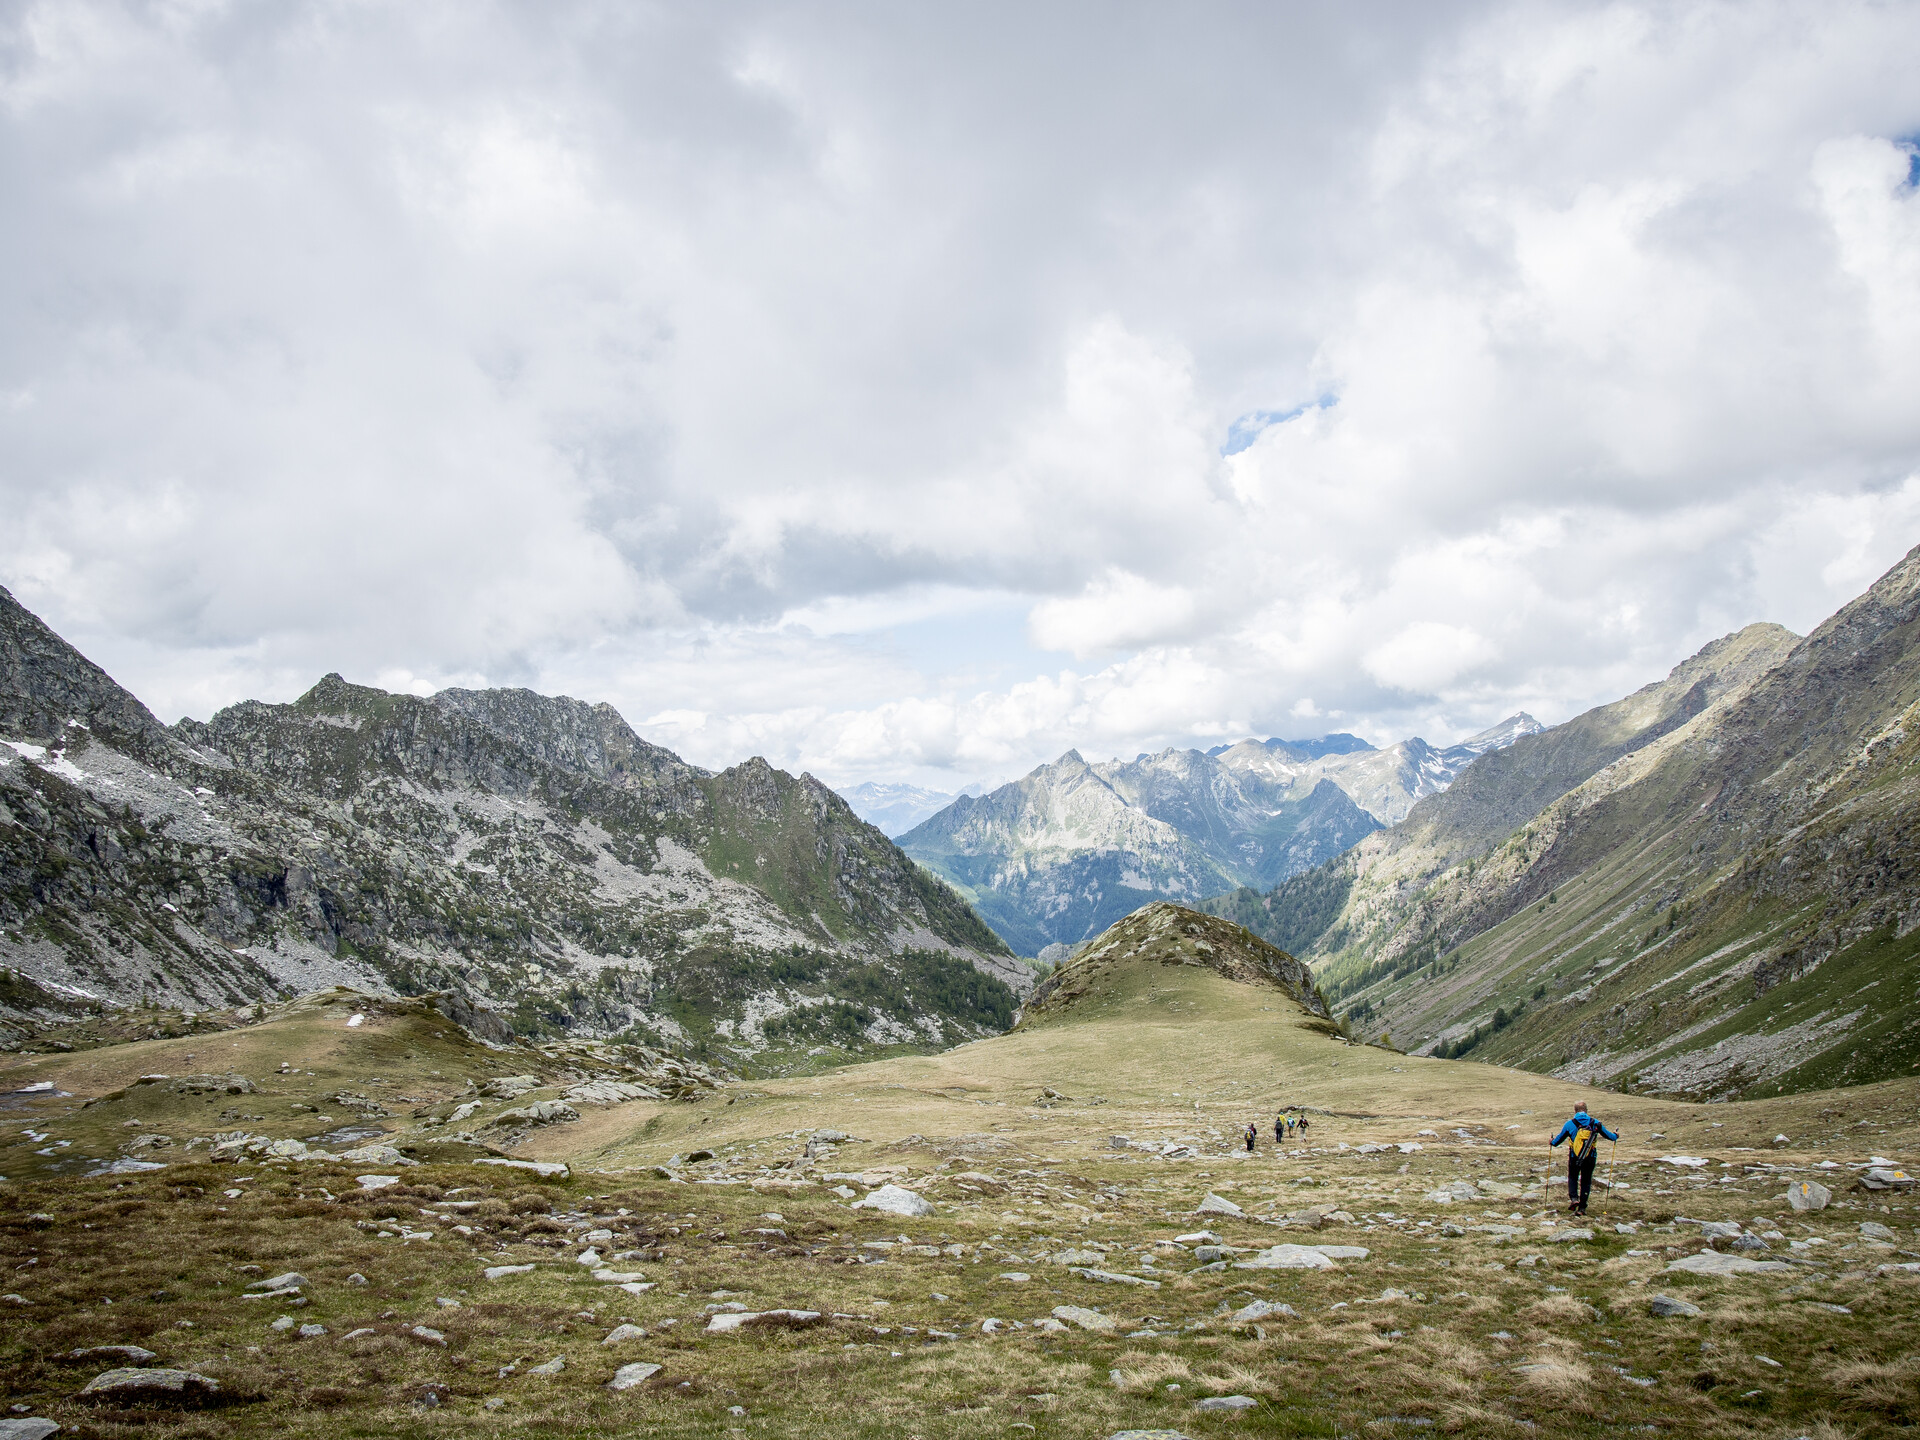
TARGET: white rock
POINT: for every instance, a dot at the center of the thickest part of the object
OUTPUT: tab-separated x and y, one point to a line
1808	1195
1686	1162
1342	1252
1112	1277
620	1334
552	1367
1017	1277
538	1167
1199	1237
628	1376
1712	1262
1091	1320
501	1272
1287	1257
1260	1310
1218	1205
589	1258
895	1200
32	1427
1226	1402
735	1320
619	1277
376	1182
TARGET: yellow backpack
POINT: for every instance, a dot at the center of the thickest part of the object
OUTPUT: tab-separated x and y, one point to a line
1583	1139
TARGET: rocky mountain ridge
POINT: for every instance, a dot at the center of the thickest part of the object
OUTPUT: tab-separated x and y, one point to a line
532	857
1708	891
1056	857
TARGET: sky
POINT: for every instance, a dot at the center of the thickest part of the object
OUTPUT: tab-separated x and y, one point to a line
912	393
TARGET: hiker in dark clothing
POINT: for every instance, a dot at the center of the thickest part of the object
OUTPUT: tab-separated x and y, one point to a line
1279	1129
1584	1132
1251	1134
1303	1122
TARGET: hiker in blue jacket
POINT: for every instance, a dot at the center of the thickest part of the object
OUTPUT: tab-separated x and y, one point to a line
1584	1132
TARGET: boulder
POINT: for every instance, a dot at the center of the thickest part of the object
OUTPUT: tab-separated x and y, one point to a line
1712	1262
541	1112
510	1087
1227	1402
1719	1229
292	1280
376	1182
1261	1310
1091	1320
1575	1233
1342	1252
1884	1178
501	1272
1217	1205
1666	1305
1874	1230
763	1320
553	1367
628	1376
620	1334
1808	1195
32	1427
895	1200
1287	1257
1112	1277
131	1385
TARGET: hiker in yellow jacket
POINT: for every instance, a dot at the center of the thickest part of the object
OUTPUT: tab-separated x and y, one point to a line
1584	1132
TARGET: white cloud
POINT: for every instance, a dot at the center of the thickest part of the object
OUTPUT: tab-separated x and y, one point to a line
850	386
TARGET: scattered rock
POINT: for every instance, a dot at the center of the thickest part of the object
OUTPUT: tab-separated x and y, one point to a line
500	1272
1091	1320
135	1386
1198	1237
1017	1277
358	1279
1216	1205
30	1428
292	1280
509	1087
1287	1257
1712	1262
620	1334
895	1200
1261	1310
1666	1305
1808	1195
541	1112
763	1319
428	1334
628	1376
552	1367
1719	1229
1559	1236
312	1332
1227	1402
1146	1435
1874	1230
1750	1242
1113	1277
376	1182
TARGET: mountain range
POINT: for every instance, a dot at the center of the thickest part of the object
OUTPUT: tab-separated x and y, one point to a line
529	857
1058	856
1707	889
895	809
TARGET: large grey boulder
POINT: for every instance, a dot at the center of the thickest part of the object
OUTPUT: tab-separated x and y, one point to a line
1219	1205
1288	1257
1091	1320
1667	1306
1808	1195
1712	1262
130	1385
104	1354
32	1427
629	1376
895	1200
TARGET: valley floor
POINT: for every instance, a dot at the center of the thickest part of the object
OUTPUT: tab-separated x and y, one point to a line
1478	1307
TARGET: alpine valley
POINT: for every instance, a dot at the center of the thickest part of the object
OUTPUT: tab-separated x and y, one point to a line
1057	857
1707	889
530	860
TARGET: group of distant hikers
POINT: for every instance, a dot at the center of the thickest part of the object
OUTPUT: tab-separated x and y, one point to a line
1583	1132
1284	1125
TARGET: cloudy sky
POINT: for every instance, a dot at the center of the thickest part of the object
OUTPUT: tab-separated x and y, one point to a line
913	392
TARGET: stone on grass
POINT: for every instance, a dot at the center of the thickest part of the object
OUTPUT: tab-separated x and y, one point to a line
628	1376
1049	1325
589	1257
1808	1195
428	1334
1574	1234
1017	1277
1261	1310
1086	1319
1874	1230
1287	1257
1342	1252
125	1354
552	1367
376	1182
895	1200
1227	1402
1216	1205
620	1334
1719	1229
1666	1305
292	1280
763	1320
1111	1277
31	1428
1712	1262
501	1272
312	1332
136	1386
1198	1237
1146	1435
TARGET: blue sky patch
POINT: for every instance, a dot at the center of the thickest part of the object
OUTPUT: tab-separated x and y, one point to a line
1244	431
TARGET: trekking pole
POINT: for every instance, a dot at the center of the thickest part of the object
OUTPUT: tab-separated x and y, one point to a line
1613	1154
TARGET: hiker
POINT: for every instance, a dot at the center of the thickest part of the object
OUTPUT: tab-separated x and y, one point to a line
1584	1132
1252	1131
1303	1122
1279	1129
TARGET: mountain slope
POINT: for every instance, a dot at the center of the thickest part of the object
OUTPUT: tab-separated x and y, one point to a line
1058	856
1731	908
530	856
